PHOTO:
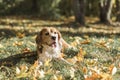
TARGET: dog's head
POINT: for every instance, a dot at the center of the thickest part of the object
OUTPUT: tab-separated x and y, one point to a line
48	36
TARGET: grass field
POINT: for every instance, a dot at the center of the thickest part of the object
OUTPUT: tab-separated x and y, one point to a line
96	57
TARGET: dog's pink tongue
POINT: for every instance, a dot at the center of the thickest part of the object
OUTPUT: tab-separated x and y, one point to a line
54	44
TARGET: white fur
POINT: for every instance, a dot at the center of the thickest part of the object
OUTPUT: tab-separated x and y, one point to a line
49	52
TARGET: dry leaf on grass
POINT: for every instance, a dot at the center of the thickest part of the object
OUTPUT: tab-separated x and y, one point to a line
112	69
1	46
20	35
26	50
16	43
86	41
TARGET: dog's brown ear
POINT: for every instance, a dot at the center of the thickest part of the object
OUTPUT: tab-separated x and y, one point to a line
59	35
39	38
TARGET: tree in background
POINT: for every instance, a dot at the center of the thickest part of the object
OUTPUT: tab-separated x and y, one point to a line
35	6
118	10
65	7
92	8
79	11
49	8
54	9
105	11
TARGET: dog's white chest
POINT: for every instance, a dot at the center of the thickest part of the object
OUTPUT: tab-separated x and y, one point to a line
49	53
52	52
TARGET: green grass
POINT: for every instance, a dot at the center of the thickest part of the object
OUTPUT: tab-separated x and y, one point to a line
102	50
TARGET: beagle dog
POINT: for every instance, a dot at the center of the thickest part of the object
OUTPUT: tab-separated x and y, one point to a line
50	44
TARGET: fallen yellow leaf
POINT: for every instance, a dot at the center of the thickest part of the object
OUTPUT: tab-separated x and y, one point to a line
47	63
18	70
105	76
112	69
72	60
94	76
1	46
41	74
23	68
80	55
72	72
86	41
60	77
36	64
20	35
85	70
26	50
16	43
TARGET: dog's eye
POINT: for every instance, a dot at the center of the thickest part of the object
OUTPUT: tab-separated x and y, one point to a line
55	32
46	33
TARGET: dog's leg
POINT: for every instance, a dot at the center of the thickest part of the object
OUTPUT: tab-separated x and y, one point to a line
63	61
65	44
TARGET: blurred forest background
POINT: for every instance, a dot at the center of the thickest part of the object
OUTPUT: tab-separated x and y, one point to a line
106	10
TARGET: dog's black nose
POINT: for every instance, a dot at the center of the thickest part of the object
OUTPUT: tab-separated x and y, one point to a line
53	37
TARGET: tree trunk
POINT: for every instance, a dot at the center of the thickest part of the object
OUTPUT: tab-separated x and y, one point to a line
79	11
105	11
35	6
118	10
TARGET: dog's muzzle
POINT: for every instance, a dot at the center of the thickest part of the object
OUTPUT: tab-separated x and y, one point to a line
53	37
